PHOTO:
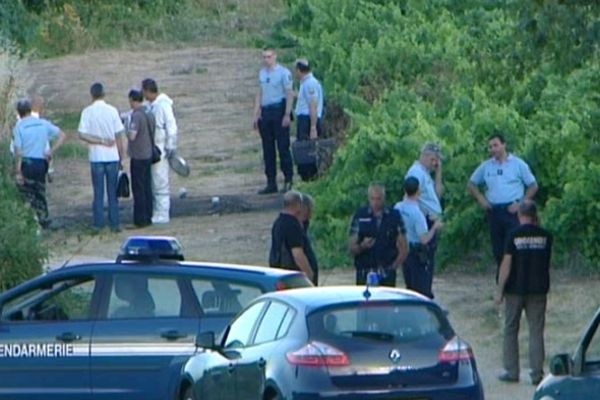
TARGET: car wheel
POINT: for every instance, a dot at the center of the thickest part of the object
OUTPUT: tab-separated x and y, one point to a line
189	394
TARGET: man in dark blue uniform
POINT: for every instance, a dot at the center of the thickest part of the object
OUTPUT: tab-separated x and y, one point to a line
272	113
523	284
377	239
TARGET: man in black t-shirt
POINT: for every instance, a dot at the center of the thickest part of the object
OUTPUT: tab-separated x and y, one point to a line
287	237
524	281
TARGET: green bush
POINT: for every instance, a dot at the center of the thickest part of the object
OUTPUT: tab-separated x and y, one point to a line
408	71
22	253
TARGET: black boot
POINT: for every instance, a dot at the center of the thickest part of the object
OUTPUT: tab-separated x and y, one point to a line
270	188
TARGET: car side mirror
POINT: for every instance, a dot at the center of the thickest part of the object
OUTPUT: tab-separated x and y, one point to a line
560	365
206	340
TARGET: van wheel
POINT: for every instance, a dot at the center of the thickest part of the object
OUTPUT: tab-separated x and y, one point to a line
189	394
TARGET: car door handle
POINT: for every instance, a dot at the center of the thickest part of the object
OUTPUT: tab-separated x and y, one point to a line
261	362
231	368
68	337
173	334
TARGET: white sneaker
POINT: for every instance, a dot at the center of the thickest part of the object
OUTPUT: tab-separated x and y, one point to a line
159	220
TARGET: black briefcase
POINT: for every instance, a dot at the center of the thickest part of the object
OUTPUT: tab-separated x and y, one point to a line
315	152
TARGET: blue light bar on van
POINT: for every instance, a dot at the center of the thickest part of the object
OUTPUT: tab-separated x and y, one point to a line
150	248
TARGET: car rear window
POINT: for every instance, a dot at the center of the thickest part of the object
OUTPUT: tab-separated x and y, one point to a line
394	322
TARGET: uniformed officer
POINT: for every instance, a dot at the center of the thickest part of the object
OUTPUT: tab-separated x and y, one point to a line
31	138
272	113
523	285
508	180
377	239
431	190
309	112
418	273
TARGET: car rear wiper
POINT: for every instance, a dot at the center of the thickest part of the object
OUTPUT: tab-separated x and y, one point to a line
383	336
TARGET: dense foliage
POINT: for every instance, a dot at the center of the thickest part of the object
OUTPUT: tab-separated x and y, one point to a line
53	27
453	71
21	252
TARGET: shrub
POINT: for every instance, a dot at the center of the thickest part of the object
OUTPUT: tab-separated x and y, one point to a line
21	252
408	71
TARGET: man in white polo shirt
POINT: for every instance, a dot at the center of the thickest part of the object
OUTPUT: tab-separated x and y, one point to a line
101	128
508	180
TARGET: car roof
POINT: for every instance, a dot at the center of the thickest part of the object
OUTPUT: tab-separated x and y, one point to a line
256	274
313	298
187	266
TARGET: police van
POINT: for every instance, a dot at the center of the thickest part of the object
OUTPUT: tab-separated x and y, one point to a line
121	330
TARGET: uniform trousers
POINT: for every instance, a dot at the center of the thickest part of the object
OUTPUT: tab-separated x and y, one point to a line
34	186
535	311
418	275
501	222
275	138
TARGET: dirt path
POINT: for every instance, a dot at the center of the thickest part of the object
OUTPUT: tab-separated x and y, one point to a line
213	90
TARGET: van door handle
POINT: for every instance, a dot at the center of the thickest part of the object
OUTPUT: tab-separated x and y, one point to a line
172	334
262	362
231	368
68	337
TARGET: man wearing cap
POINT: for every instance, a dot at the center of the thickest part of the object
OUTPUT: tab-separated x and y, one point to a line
272	112
431	190
31	138
101	128
377	239
309	112
139	131
165	138
508	180
523	284
417	270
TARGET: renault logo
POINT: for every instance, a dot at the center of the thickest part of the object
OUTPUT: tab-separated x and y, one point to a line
395	356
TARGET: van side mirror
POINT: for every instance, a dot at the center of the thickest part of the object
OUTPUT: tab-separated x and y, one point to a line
205	340
560	365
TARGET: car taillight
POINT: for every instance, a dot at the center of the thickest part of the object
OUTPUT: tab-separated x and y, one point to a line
317	354
455	350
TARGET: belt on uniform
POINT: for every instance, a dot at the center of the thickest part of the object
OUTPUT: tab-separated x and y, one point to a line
33	160
274	106
502	206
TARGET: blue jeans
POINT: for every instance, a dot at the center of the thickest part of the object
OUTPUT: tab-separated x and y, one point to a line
108	171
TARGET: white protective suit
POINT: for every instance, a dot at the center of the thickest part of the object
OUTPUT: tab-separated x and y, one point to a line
165	138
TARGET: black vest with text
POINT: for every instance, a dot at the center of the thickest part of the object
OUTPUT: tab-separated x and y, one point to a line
385	251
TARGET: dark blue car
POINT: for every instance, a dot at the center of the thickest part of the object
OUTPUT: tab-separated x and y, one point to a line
119	330
334	343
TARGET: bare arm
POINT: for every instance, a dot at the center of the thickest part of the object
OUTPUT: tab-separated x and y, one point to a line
302	262
504	273
475	192
18	160
426	238
313	108
58	142
531	191
402	246
91	139
257	107
120	147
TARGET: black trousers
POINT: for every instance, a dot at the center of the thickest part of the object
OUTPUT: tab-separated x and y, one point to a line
418	276
34	172
501	222
307	171
141	187
275	139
